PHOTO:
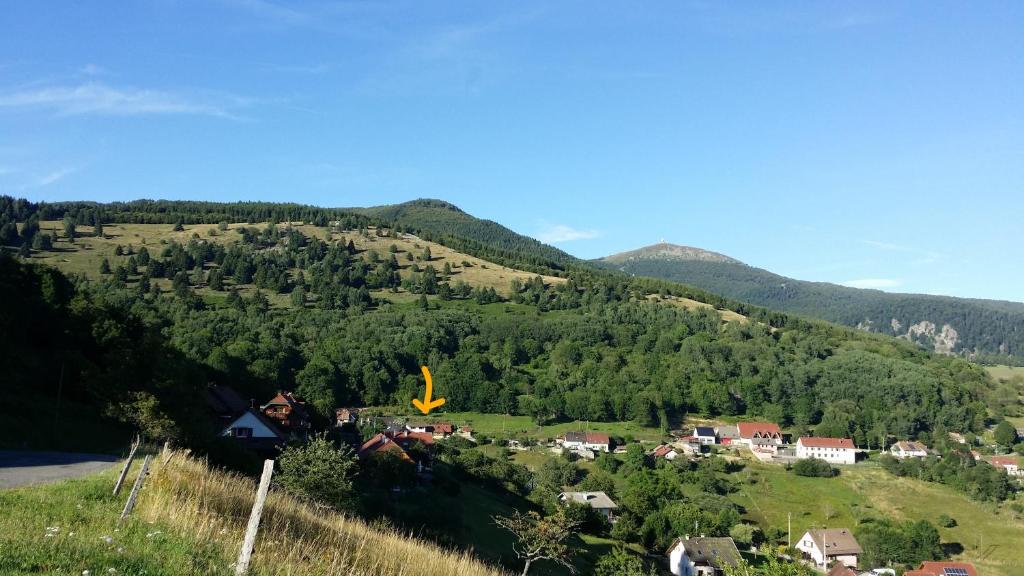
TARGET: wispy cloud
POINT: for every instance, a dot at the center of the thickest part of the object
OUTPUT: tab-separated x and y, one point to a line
561	233
55	176
100	99
92	70
876	283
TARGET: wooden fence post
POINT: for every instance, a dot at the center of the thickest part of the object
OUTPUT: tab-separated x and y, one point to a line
127	465
242	566
135	489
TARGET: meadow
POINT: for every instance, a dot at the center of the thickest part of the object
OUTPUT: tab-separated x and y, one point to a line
987	535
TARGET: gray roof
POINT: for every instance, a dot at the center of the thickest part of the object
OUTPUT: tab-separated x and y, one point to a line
597	500
835	541
728	431
715	552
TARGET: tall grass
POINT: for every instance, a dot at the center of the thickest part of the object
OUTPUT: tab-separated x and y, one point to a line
295	538
190	519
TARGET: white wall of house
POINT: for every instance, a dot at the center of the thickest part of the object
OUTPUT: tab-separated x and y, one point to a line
249	420
806	545
831	455
680	565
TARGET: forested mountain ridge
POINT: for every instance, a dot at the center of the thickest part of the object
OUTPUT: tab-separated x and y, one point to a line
980	329
595	346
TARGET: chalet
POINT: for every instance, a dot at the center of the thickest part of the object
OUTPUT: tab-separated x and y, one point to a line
595	441
344	416
255	431
1008	463
599	501
908	449
702	556
751	430
466	432
705	435
931	568
289	413
832	450
664	451
827	545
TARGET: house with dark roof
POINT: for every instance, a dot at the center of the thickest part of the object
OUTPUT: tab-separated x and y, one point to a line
438	430
400	443
225	403
931	568
702	556
589	440
827	545
253	430
832	450
705	435
838	569
289	413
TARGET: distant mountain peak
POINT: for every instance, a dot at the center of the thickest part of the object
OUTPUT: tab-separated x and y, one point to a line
666	251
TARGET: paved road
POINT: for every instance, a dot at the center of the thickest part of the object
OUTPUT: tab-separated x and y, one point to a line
27	468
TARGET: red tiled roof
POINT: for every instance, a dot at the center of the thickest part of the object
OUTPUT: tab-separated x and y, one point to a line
662	450
586	437
1003	461
444	428
749	429
820	442
931	568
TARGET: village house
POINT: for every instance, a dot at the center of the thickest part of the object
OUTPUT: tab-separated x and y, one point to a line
439	430
255	431
831	450
595	441
599	501
957	437
1008	463
705	435
289	413
399	443
702	556
727	434
931	568
826	545
908	449
752	430
344	416
466	432
664	451
225	404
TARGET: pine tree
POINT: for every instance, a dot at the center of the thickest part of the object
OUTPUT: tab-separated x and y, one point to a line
105	266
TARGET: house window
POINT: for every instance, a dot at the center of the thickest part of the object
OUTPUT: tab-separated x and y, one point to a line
241	432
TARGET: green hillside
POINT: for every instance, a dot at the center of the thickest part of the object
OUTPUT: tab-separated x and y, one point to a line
984	329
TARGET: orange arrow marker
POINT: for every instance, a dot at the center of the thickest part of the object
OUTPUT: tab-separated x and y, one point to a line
427	404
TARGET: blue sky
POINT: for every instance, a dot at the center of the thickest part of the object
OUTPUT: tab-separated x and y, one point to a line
873	144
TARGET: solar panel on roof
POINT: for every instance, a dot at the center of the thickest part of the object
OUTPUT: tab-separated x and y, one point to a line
955	571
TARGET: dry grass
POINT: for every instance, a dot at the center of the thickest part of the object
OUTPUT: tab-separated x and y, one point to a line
85	254
689	304
294	538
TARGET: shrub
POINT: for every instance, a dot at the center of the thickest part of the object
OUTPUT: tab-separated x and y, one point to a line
318	472
946	521
813	467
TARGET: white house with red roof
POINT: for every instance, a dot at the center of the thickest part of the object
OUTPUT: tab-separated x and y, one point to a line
908	449
832	450
576	440
1009	463
750	431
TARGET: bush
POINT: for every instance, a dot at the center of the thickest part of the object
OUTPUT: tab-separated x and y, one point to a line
318	472
746	535
814	467
946	521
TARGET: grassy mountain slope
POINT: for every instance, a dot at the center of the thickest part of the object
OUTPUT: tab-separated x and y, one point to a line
190	519
940	323
448	224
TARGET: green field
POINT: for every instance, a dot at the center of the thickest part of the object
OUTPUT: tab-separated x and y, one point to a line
504	426
1005	372
991	536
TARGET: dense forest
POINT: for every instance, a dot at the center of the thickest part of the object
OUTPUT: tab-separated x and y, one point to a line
990	331
593	348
